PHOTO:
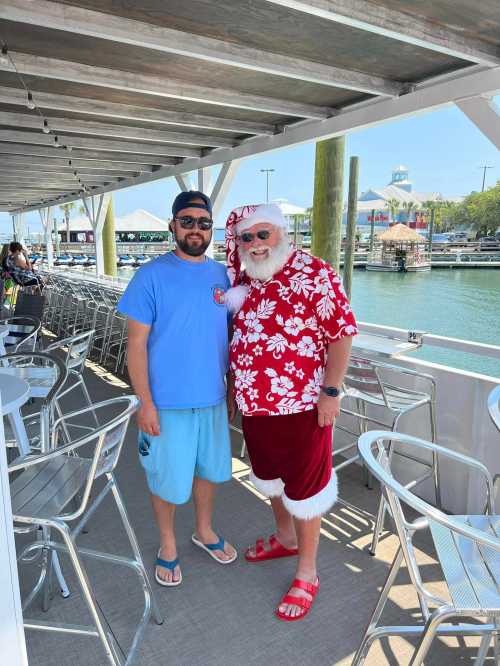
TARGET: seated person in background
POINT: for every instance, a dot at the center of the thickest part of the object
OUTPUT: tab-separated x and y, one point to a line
18	265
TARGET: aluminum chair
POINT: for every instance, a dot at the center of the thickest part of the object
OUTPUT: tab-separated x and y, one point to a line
37	502
23	333
494	406
381	398
467	548
46	375
74	351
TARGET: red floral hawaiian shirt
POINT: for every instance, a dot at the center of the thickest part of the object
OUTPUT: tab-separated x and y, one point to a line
281	336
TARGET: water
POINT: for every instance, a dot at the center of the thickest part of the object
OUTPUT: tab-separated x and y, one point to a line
461	303
458	303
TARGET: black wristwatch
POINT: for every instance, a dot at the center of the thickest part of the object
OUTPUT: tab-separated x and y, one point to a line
331	391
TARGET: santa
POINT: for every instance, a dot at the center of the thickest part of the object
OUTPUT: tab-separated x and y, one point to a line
293	329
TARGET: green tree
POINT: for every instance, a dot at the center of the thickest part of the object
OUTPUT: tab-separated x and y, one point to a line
479	210
66	209
408	206
393	205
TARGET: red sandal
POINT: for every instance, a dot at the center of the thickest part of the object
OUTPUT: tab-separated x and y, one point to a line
304	603
275	551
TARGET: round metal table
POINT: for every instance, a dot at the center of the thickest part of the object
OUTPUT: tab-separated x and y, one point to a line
14	392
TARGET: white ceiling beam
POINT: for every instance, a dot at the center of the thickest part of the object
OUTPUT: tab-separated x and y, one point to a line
485	115
43	178
6	166
65	70
183	181
399	26
165	40
97	144
87	155
426	97
30	163
95	107
96	128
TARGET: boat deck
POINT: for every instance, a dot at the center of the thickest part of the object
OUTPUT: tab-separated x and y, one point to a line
224	615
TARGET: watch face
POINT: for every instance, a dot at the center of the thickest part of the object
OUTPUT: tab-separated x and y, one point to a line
331	391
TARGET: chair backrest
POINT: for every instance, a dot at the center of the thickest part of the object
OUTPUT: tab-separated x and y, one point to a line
32	305
46	376
107	439
494	406
372	449
23	333
76	349
362	375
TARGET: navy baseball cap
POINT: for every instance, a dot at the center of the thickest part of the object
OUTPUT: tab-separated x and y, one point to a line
188	200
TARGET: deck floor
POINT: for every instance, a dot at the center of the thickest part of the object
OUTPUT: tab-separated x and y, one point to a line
223	615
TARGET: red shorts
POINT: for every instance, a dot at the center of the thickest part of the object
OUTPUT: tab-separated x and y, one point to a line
291	457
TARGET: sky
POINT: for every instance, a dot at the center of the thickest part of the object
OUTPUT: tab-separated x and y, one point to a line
442	149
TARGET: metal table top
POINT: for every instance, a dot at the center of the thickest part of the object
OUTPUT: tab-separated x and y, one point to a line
380	345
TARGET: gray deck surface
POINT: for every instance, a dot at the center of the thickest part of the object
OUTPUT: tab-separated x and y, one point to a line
223	615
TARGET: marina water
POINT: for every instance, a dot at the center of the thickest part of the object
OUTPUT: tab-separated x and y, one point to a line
457	303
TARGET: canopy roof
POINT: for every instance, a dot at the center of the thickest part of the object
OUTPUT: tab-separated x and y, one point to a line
400	233
135	91
138	220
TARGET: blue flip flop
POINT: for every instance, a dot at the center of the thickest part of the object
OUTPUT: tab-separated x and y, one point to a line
210	548
167	564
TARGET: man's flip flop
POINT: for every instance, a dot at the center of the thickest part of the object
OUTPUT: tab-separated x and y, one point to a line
276	550
167	564
212	547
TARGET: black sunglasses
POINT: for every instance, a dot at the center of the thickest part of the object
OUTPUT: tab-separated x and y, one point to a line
188	222
247	237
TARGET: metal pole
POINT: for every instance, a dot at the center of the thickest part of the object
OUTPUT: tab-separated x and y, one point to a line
351	224
431	228
372	229
267	172
484	167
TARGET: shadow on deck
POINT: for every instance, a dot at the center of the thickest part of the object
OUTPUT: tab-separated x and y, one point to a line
223	616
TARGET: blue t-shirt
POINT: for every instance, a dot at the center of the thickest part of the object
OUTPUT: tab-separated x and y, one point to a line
183	302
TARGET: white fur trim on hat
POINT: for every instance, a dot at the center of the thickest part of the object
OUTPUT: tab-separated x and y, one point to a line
314	506
270	488
270	213
235	297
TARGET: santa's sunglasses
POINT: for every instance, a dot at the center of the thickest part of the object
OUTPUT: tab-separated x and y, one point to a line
247	237
188	222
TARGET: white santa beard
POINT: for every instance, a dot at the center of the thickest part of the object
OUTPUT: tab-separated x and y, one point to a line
265	269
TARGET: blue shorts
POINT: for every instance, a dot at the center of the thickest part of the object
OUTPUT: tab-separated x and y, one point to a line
192	442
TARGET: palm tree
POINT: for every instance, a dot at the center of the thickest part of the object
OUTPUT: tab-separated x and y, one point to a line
393	205
408	206
66	209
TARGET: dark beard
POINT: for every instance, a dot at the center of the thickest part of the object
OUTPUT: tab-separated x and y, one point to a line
193	250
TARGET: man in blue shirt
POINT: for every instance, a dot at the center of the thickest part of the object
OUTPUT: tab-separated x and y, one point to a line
177	361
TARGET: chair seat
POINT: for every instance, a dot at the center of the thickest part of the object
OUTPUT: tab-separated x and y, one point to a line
472	572
45	489
399	399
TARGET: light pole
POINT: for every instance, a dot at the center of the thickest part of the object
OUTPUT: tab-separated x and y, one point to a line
267	172
484	167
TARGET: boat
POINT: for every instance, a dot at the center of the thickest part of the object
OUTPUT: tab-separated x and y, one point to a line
91	261
141	259
126	260
64	260
80	259
399	250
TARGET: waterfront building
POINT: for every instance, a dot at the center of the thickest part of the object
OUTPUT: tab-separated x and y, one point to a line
377	200
140	226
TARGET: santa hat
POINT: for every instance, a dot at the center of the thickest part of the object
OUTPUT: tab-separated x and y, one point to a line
238	221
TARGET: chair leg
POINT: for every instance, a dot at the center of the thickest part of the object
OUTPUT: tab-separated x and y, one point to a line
112	654
431	626
368	639
135	547
379	525
87	398
435	458
483	650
